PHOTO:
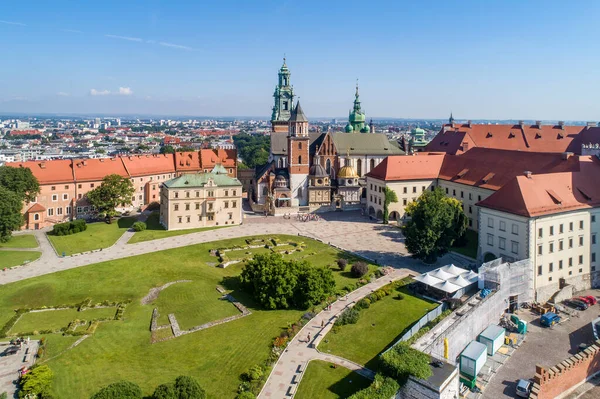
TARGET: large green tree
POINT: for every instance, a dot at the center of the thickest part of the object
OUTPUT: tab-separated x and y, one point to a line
167	149
253	149
114	191
402	361
20	181
10	213
37	383
435	222
188	388
119	390
390	197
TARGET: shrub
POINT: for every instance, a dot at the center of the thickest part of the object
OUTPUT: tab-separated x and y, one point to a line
381	388
37	383
402	361
255	373
342	263
119	390
188	388
67	228
139	226
245	395
164	391
348	316
400	296
359	269
363	303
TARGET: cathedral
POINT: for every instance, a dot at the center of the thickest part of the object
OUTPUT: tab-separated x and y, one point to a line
318	171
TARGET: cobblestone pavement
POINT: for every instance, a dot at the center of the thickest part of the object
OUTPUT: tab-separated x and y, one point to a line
10	365
347	230
287	372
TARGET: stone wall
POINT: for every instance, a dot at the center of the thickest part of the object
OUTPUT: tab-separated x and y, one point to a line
579	283
420	389
559	380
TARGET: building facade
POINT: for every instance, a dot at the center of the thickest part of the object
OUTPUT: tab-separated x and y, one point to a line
195	200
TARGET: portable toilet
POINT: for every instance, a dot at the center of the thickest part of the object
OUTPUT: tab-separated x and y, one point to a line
472	359
493	338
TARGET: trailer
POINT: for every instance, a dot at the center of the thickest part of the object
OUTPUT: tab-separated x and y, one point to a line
493	338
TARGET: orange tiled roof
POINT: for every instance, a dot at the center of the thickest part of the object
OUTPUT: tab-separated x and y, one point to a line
549	193
209	158
97	169
36	208
48	172
187	161
142	165
530	138
404	167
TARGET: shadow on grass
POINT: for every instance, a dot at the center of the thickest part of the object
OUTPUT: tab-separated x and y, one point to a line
125	223
349	385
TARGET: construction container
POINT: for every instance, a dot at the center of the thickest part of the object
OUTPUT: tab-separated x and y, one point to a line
472	359
493	338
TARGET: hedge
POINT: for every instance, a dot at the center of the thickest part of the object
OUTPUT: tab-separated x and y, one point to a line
67	228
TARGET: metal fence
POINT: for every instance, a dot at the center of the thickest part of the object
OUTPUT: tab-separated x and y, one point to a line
420	324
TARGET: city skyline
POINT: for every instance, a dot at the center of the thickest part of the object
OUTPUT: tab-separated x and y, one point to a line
494	61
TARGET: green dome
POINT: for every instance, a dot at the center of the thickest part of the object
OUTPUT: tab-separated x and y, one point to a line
357	117
365	129
349	128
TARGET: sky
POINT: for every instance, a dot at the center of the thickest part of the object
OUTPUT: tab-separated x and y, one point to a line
414	59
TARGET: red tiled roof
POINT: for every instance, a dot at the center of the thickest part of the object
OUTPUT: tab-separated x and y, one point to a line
48	172
530	138
36	208
491	169
408	167
185	161
209	158
97	169
143	165
549	193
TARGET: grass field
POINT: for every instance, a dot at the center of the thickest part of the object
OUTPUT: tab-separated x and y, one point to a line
98	235
55	319
155	230
16	258
122	350
20	241
470	249
377	327
324	382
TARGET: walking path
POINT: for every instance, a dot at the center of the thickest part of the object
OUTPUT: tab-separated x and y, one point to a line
289	369
346	230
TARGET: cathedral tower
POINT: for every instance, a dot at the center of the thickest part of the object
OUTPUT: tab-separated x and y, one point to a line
298	156
284	100
356	117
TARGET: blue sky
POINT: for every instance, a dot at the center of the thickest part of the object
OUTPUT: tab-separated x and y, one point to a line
417	59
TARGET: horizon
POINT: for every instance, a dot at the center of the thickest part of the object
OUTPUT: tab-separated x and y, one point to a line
222	59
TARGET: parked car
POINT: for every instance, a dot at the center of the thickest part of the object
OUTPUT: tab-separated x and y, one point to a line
585	299
576	304
592	299
549	319
523	388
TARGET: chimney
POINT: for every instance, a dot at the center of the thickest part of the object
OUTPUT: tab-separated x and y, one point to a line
521	123
468	123
43	165
527	174
84	163
561	124
566	155
591	124
538	124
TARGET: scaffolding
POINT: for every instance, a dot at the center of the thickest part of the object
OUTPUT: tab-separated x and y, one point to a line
513	281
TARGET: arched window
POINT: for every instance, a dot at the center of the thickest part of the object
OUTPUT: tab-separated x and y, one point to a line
299	159
372	164
300	144
359	167
36	216
328	166
265	190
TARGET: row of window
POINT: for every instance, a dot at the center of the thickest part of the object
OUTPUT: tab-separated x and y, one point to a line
502	226
561	244
514	245
561	229
208	194
210	205
51	211
560	264
209	217
462	194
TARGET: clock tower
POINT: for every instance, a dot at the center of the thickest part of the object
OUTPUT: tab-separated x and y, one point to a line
284	97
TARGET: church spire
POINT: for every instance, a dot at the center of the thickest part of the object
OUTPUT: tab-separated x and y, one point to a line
451	120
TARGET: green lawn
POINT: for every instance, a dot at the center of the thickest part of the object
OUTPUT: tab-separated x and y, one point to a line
377	327
20	241
323	381
470	249
16	258
121	349
55	319
155	230
98	235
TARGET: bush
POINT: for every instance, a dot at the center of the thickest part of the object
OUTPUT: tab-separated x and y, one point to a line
119	390
402	361
348	316
381	388
400	296
255	373
364	303
67	228
139	226
164	391
37	383
188	388
245	395
359	269
342	263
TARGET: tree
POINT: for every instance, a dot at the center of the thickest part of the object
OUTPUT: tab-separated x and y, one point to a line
164	391
114	191
253	149
20	181
167	149
390	197
119	390
342	263
402	361
10	213
36	383
436	221
359	269
188	388
186	149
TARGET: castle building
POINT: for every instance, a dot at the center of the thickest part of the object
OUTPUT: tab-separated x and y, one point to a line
304	166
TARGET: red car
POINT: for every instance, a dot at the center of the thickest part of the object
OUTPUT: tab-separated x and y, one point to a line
587	299
592	299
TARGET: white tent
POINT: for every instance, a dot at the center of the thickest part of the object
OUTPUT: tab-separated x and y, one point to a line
442	275
460	281
427	279
472	276
447	287
454	269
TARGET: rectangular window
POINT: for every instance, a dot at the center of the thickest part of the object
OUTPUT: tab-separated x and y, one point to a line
187	207
414	189
454	193
550	267
593	218
176	194
470	196
570	262
405	190
560	265
133	198
502	226
551	247
581	241
570	242
227	193
53	188
188	218
176	207
79	186
187	194
179	219
570	226
68	210
91	185
210	206
491	222
234	204
210	217
561	228
66	187
230	216
59	211
470	222
593	256
234	193
197	194
490	239
79	209
540	232
226	204
197	205
594	238
446	190
54	197
581	259
140	197
479	198
551	230
404	201
515	229
581	225
560	245
514	247
501	242
470	209
539	270
540	249
462	194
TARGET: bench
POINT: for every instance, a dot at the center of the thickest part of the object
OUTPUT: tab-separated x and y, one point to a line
26	358
291	390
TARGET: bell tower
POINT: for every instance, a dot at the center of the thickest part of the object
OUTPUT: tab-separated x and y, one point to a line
284	97
298	156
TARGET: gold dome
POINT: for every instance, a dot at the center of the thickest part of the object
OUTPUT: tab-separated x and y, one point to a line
347	172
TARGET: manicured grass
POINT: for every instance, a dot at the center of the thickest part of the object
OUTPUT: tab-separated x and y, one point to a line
20	241
470	249
16	258
55	319
323	381
377	327
122	350
155	230
98	235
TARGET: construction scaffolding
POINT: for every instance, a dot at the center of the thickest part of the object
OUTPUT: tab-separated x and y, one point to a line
513	281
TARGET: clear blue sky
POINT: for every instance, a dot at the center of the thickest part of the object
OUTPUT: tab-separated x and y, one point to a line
417	59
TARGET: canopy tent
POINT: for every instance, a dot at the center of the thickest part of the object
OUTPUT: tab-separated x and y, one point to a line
442	275
449	279
460	281
472	276
447	287
427	279
454	269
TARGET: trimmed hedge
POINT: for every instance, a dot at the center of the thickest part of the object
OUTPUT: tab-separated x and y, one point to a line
67	228
139	226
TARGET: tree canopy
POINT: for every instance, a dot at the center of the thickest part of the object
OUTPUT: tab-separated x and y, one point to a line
119	390
253	149
10	213
436	221
188	388
20	181
390	197
36	383
167	149
114	191
277	283
402	361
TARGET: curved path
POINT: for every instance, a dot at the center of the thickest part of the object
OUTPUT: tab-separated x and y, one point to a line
289	369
